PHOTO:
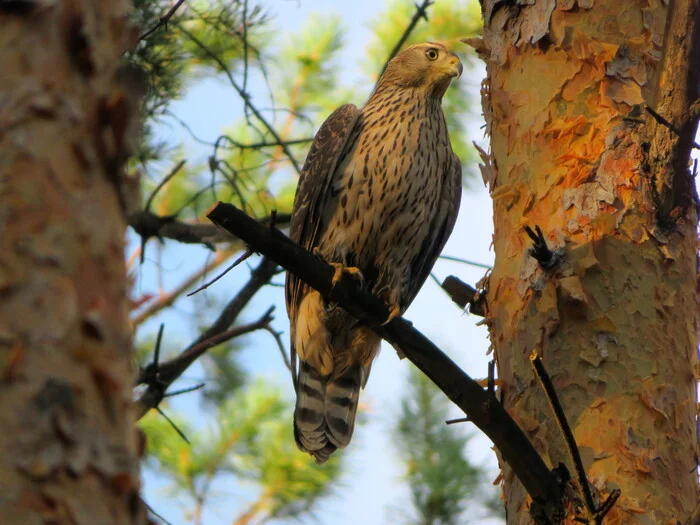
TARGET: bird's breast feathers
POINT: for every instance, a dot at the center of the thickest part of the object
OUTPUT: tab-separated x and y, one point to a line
386	189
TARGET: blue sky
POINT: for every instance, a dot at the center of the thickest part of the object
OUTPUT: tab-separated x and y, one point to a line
371	488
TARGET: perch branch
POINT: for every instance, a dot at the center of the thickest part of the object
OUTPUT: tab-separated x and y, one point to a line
541	483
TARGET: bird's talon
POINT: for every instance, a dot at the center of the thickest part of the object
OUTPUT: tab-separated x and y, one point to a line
393	312
340	269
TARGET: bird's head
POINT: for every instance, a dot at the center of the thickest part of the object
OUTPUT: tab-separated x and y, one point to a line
429	66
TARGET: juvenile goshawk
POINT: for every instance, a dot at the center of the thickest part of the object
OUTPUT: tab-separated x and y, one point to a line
378	197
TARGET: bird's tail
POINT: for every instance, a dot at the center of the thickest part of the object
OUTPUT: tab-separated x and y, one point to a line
324	417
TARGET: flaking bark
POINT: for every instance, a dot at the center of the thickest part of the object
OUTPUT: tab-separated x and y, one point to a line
616	320
68	441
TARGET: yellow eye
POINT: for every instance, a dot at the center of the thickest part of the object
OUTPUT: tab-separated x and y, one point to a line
432	53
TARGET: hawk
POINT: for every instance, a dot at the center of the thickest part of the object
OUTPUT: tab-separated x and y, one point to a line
377	198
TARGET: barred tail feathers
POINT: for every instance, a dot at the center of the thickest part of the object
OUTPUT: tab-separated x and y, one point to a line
334	363
324	417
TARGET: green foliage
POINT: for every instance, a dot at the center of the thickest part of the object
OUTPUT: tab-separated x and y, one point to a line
449	21
251	439
440	475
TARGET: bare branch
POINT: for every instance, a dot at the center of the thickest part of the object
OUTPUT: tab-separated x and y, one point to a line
163	182
148	225
283	351
166	299
246	98
463	294
163	21
560	417
218	332
661	120
465	261
172	424
541	483
185	390
246	254
421	12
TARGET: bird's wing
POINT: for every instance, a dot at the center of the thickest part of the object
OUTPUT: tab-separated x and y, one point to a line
322	160
442	227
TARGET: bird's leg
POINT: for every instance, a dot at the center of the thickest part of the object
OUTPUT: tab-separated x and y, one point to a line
352	271
340	269
390	295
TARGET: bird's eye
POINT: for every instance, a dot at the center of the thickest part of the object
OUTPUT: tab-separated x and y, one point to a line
432	53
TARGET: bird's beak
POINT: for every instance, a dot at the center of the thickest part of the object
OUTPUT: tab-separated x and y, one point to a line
455	67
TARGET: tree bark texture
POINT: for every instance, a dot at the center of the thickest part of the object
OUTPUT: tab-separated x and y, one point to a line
69	448
574	152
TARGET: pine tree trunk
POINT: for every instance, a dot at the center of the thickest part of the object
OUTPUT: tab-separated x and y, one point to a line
68	441
574	152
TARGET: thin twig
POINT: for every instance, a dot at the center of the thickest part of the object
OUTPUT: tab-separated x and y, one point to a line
607	505
196	351
244	96
156	350
166	299
282	349
261	145
170	370
421	12
163	21
458	420
540	251
150	509
465	261
163	182
661	120
238	261
245	46
172	424
185	390
560	418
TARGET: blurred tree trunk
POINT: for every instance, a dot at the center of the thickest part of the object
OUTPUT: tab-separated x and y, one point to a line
68	441
574	152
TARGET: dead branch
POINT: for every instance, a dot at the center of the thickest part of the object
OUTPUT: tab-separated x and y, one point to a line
244	256
166	299
158	374
245	97
147	224
597	514
664	122
462	294
163	21
540	251
542	484
159	377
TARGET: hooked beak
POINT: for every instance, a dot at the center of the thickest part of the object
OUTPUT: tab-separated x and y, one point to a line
455	67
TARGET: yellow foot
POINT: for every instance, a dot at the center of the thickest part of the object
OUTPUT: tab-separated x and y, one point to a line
340	269
394	311
496	382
